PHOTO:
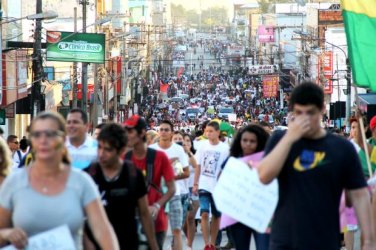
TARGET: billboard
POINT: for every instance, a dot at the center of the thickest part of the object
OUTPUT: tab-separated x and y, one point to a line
270	85
265	34
325	69
75	47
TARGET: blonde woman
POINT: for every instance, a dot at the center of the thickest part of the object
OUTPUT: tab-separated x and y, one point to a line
5	160
151	137
51	193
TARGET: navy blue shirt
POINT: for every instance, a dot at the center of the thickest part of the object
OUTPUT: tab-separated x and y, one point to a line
310	188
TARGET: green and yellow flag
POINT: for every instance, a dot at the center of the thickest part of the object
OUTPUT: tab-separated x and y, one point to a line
360	25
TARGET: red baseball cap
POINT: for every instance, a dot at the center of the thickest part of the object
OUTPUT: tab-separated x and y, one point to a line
372	123
135	121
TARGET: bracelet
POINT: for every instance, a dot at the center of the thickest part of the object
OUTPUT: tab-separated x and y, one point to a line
195	185
157	205
190	154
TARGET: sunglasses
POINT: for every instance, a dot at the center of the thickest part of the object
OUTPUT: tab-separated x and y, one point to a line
15	142
47	133
165	129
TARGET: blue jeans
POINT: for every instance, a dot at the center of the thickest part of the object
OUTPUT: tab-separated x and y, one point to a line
241	236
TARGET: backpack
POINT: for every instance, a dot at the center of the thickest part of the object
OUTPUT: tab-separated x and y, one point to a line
150	157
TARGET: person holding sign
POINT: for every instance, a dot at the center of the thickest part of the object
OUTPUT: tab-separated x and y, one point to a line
210	157
50	193
313	167
249	140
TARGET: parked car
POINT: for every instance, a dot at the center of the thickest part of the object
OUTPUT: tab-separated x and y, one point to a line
225	111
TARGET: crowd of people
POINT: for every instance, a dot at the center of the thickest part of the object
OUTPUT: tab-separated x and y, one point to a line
123	186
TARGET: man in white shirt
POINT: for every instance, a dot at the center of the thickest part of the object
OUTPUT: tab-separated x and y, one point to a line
210	157
82	149
179	161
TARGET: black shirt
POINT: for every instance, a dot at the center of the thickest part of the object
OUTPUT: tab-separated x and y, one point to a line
119	198
310	187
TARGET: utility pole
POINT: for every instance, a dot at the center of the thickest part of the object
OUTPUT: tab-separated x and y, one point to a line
124	84
37	65
84	65
75	65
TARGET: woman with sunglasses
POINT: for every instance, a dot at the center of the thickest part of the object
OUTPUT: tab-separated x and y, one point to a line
51	193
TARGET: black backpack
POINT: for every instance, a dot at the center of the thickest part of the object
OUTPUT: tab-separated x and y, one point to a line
150	157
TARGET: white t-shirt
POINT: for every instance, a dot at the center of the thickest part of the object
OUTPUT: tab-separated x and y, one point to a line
179	161
210	158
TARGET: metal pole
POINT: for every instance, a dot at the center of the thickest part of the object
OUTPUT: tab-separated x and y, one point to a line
37	64
96	89
84	65
115	94
348	97
75	65
124	72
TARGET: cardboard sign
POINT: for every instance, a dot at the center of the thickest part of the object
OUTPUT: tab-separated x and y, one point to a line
240	195
58	238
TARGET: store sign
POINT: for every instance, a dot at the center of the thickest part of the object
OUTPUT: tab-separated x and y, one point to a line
261	69
330	17
325	69
75	47
270	86
265	34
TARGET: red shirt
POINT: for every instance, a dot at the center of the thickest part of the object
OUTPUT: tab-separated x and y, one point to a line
162	168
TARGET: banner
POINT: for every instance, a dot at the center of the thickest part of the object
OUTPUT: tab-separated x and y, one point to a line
75	47
270	86
261	69
325	69
265	34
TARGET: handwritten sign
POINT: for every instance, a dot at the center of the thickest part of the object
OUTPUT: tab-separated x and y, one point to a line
240	195
58	238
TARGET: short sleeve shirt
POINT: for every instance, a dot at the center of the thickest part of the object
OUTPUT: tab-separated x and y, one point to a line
35	212
162	168
310	186
83	155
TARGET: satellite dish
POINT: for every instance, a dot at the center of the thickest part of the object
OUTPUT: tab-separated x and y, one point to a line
301	2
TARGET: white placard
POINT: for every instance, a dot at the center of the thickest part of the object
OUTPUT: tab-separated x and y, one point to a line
58	238
240	195
232	117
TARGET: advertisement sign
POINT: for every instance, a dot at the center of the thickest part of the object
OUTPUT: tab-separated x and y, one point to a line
75	47
325	69
270	86
265	34
261	69
326	17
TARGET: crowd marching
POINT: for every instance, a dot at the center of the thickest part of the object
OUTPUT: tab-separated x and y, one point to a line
126	184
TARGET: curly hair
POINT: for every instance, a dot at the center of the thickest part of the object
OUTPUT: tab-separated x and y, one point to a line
262	138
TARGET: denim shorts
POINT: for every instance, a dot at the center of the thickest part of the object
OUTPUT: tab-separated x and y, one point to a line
185	205
207	204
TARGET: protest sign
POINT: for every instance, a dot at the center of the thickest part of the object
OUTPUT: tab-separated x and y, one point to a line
58	238
252	160
240	195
